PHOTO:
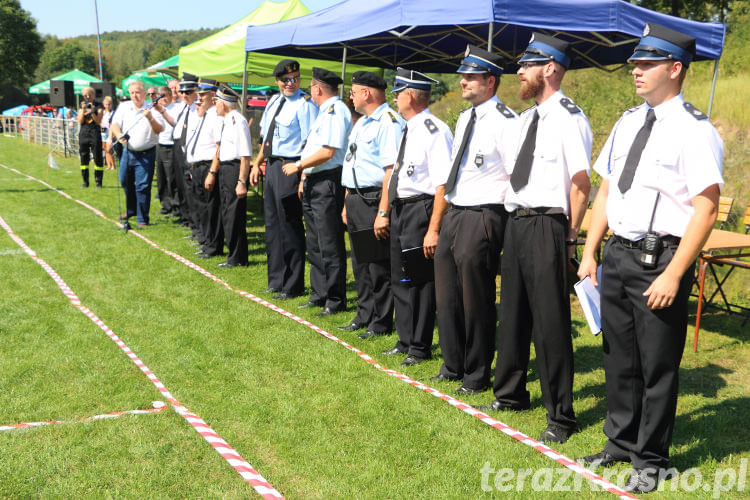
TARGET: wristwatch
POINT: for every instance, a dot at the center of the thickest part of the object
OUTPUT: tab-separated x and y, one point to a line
243	182
212	172
382	213
298	164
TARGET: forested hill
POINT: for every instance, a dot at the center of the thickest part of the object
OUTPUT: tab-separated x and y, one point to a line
123	51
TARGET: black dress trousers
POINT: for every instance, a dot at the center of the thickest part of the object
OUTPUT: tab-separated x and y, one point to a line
322	202
534	298
165	180
233	213
466	264
414	303
182	181
373	279
207	210
642	354
285	233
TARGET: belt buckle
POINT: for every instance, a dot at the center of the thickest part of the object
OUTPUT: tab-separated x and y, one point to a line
522	212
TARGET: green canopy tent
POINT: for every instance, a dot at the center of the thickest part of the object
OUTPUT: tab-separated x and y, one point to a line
222	55
79	79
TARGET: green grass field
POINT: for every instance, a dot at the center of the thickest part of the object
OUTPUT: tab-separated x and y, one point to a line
312	417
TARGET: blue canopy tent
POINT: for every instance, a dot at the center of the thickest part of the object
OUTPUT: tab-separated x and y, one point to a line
432	36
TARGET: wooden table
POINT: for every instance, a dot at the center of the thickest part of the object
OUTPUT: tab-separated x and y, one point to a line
720	241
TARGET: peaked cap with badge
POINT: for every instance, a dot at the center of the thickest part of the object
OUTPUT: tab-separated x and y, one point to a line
207	85
326	76
369	79
225	93
478	60
285	66
544	48
188	83
406	78
660	43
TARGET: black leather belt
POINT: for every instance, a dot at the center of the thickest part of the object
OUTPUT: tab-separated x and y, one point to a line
235	162
145	151
325	173
283	158
376	189
412	199
479	208
166	145
530	212
201	163
666	240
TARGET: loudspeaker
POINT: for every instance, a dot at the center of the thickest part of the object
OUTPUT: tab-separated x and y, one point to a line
104	89
61	94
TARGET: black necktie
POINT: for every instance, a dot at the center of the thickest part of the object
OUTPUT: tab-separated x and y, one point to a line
268	143
520	176
460	154
634	155
393	186
183	135
198	133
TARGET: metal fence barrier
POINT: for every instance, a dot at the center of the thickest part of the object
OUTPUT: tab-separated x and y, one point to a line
60	135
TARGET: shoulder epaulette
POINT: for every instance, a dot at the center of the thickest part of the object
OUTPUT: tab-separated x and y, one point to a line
393	117
306	97
331	110
465	109
695	112
631	110
430	126
505	110
233	122
570	106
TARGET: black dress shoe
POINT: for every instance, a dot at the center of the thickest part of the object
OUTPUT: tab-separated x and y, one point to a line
601	459
556	434
391	352
352	327
468	391
370	333
444	378
327	311
285	296
642	481
412	360
311	303
226	265
498	406
271	289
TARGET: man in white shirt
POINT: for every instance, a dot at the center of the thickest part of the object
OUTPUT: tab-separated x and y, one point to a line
165	175
138	130
661	181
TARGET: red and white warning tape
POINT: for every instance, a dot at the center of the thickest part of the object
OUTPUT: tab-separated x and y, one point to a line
468	409
229	454
158	406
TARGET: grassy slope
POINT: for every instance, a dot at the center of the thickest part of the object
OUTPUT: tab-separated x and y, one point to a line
309	415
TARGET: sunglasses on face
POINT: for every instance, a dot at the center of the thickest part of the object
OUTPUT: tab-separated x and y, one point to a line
293	79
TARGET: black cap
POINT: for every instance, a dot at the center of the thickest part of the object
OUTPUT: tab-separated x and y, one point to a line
369	79
478	60
660	43
326	76
408	78
286	66
188	82
207	85
545	48
226	93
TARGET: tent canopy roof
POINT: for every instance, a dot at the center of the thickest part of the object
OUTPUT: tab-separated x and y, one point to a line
432	36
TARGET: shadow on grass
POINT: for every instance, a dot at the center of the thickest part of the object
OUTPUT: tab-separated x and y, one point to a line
721	322
707	432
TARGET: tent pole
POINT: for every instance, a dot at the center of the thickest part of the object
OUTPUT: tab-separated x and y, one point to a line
489	37
713	88
343	73
243	109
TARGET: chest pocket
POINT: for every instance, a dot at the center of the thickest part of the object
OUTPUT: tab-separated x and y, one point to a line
668	166
286	123
547	164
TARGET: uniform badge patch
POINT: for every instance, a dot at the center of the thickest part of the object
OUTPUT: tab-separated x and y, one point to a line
330	110
570	106
306	97
393	118
410	170
430	126
695	112
479	160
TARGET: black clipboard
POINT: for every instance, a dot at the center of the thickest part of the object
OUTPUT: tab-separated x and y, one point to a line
367	248
417	270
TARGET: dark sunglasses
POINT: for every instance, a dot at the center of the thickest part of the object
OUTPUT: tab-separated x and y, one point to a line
289	80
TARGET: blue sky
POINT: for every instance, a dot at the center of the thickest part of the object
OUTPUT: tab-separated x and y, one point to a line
69	18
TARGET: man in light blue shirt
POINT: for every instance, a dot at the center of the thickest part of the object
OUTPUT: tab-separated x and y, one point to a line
372	151
284	126
323	195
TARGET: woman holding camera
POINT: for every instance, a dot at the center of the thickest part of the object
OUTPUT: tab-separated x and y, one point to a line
89	136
